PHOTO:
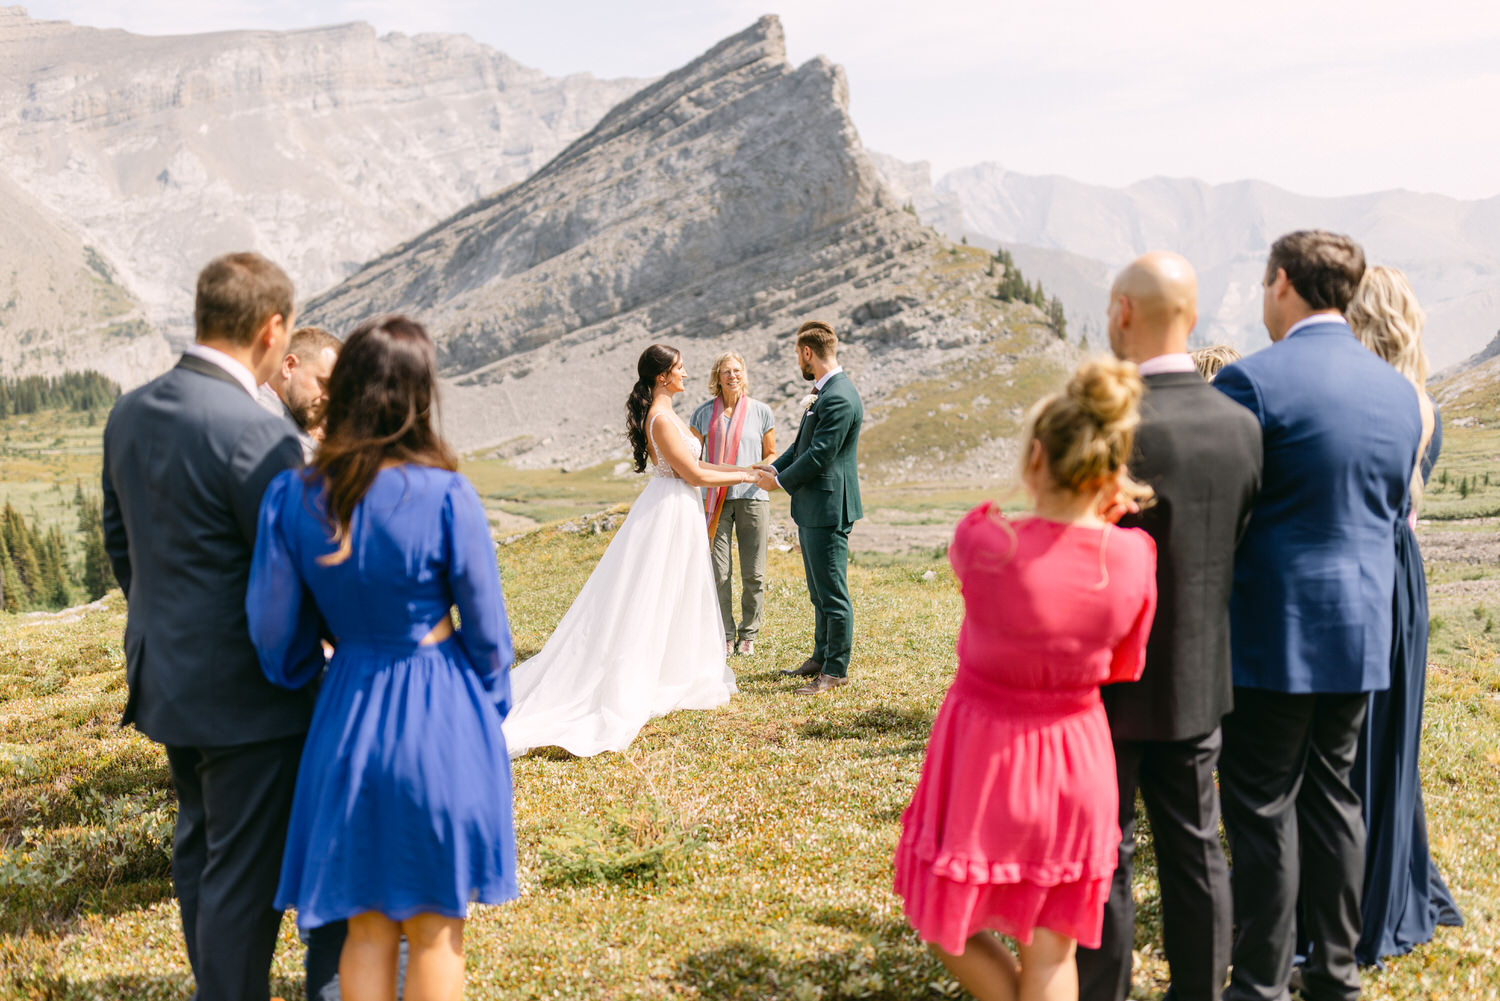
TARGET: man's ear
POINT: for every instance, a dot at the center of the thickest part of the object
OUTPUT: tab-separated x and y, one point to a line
271	331
288	366
1127	309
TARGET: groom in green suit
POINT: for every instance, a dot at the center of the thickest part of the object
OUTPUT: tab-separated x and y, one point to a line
821	473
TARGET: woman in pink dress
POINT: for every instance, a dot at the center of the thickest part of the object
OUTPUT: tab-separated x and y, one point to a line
1013	825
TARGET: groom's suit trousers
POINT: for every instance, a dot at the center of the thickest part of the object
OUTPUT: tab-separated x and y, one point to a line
825	559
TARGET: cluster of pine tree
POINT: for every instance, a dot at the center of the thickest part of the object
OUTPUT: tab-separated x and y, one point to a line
1014	288
80	391
34	568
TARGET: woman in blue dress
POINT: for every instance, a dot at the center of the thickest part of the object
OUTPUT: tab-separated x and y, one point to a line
402	813
1404	896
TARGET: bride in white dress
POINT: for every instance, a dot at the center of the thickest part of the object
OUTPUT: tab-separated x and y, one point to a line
644	636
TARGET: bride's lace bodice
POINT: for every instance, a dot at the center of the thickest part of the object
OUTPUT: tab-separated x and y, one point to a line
660	466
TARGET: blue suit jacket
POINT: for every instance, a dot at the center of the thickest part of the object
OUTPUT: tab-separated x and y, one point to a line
1315	574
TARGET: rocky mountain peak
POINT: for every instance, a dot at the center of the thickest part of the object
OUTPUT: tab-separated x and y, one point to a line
715	209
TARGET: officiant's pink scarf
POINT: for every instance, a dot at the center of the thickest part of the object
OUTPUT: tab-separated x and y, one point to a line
725	450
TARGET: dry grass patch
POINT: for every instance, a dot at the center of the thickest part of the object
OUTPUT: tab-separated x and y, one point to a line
737	854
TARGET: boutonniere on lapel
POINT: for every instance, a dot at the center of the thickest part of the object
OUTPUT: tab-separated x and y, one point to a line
806	403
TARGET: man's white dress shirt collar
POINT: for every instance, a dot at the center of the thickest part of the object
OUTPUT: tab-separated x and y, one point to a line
1178	361
1316	318
818	386
233	366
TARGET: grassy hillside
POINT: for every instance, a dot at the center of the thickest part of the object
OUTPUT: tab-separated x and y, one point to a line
736	854
1471	397
43	458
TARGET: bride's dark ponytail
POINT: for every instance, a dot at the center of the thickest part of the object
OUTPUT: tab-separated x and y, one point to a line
655	360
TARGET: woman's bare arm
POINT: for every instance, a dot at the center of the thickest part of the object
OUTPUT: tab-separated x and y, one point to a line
674	450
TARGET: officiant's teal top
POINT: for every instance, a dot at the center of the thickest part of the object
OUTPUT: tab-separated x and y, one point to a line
758	420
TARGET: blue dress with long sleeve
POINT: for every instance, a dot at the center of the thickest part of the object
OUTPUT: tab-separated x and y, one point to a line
403	800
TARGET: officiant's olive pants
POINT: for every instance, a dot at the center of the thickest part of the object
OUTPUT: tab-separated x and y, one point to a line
749	518
825	559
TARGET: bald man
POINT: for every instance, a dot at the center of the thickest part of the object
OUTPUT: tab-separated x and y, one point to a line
1201	452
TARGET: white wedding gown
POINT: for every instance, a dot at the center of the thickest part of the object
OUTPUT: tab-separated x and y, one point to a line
642	638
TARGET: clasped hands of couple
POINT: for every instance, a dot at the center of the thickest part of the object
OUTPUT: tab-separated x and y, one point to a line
762	474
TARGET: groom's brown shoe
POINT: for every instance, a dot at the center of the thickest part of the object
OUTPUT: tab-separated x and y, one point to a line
825	683
810	669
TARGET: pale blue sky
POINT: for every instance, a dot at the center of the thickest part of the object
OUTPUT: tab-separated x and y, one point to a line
1295	92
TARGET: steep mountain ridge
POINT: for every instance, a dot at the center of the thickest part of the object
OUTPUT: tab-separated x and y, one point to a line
717	208
317	147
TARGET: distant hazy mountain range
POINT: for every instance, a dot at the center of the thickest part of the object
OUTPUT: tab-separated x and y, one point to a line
319	148
1075	236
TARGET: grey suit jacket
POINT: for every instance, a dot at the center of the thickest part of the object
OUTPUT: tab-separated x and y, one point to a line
1201	453
186	459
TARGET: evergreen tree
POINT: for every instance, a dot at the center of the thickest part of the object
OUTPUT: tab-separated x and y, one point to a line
61	595
72	391
98	576
1013	287
1463	487
18	539
1056	319
12	591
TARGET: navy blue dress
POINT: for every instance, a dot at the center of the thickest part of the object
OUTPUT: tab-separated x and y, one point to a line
403	801
1404	896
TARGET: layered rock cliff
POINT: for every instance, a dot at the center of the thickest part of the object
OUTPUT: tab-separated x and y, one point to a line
716	208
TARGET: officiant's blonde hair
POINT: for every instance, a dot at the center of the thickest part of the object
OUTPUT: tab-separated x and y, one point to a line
713	374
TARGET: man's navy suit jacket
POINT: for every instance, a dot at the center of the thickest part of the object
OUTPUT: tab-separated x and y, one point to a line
1315	573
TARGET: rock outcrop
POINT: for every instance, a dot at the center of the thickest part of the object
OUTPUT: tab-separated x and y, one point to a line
716	208
61	305
319	148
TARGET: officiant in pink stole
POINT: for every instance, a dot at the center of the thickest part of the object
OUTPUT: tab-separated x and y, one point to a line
736	430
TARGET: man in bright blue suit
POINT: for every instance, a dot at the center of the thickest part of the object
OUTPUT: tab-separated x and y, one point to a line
1310	618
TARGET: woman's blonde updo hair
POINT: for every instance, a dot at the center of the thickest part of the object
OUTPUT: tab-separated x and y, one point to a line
1088	430
714	388
1386	317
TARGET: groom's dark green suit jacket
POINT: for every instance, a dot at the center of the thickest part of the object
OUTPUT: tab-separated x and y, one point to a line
821	470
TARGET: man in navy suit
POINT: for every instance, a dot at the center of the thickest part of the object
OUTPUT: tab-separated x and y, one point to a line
1310	618
186	459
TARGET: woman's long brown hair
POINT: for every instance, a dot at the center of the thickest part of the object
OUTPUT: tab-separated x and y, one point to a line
380	399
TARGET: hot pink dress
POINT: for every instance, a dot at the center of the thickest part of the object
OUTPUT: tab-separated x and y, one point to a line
1014	822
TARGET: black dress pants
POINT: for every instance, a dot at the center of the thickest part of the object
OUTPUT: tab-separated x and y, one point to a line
233	804
1294	824
1176	781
